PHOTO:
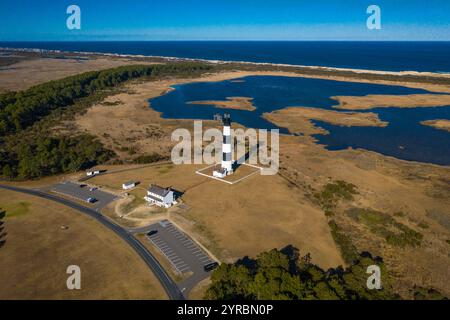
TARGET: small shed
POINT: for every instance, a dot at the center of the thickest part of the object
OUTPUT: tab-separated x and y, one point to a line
129	185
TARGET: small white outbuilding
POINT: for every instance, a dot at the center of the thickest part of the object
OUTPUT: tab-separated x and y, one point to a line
91	173
129	185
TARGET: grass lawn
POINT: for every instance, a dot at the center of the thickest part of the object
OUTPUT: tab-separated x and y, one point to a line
38	251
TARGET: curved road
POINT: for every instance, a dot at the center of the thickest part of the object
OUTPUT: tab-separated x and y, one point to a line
169	286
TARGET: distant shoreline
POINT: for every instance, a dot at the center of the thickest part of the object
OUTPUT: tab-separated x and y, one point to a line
227	62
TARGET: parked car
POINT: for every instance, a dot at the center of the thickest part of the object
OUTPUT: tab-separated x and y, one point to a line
152	232
93	189
91	200
210	266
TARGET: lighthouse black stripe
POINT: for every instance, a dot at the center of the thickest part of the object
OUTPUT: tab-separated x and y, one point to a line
227	157
226	139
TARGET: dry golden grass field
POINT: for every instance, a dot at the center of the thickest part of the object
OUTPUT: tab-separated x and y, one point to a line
37	252
257	214
27	73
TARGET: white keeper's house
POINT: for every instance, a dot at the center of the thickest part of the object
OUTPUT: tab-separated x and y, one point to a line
162	197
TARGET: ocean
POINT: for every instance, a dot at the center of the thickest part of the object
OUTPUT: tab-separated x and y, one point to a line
385	56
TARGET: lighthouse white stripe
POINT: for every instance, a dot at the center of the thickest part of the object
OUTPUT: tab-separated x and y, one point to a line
227	131
226	148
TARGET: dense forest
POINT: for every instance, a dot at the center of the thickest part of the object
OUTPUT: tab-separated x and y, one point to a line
285	275
28	146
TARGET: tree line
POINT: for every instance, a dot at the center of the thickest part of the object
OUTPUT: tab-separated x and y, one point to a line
286	275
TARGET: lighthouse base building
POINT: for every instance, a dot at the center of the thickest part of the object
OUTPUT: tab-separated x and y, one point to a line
227	162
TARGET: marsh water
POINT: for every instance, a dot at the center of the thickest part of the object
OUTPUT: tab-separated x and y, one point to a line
404	137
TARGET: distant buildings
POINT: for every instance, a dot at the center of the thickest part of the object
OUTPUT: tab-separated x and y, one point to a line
90	173
93	172
162	197
129	185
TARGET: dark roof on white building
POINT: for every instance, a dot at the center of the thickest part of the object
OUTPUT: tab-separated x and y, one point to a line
154	198
160	191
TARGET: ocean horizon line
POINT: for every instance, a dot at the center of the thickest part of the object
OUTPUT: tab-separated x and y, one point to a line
219	40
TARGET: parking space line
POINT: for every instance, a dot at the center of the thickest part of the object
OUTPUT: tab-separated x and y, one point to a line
177	260
180	264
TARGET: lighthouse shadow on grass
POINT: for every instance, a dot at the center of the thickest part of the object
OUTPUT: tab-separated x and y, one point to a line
239	162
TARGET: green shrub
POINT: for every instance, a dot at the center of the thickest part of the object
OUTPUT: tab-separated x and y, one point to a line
332	193
383	225
343	241
150	158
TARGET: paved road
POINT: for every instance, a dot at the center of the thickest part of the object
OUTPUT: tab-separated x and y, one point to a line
155	164
169	286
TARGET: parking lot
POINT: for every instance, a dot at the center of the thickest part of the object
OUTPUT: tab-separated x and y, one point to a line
181	251
83	192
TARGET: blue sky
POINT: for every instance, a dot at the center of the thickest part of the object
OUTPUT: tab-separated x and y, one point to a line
224	20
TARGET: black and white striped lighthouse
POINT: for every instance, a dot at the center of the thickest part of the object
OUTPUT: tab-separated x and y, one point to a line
227	162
